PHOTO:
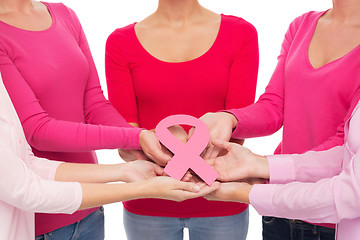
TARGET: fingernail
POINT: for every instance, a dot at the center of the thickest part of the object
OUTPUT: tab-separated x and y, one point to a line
196	188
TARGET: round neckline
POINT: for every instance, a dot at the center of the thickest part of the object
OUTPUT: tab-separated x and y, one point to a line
53	23
182	62
310	37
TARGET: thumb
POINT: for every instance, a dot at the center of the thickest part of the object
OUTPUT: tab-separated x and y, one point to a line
158	170
222	144
188	186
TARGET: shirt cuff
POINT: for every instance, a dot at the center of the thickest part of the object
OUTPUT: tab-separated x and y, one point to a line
261	198
281	169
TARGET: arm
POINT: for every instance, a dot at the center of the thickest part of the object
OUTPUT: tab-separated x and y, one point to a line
328	200
308	167
29	192
242	79
266	115
141	173
49	134
119	79
22	188
262	118
97	109
240	163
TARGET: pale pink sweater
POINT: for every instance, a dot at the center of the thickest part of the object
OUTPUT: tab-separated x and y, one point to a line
25	186
317	186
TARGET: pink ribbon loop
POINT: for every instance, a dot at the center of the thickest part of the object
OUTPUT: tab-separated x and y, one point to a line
186	156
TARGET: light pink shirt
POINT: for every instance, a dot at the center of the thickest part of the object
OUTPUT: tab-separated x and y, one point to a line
317	186
27	184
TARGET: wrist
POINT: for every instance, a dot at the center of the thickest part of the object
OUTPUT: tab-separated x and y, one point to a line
243	194
231	119
262	167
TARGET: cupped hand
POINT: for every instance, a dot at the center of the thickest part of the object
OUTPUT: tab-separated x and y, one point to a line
140	170
172	189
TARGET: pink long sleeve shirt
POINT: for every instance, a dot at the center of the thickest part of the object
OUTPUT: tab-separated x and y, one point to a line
26	184
319	186
311	104
52	81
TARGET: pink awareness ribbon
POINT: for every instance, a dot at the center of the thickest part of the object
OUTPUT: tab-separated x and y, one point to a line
186	155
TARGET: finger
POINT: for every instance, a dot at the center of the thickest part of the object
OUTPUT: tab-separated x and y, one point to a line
191	131
222	144
139	155
187	186
205	191
187	177
158	170
208	152
211	197
158	156
215	152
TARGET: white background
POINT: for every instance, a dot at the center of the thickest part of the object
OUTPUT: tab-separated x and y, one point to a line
271	19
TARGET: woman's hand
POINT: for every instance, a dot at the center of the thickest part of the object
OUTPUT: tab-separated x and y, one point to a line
131	155
221	125
239	163
140	170
172	189
153	149
232	191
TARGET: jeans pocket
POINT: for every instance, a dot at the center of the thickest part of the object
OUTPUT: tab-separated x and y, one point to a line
268	220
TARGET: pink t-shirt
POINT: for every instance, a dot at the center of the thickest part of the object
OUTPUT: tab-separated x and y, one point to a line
311	104
145	90
52	81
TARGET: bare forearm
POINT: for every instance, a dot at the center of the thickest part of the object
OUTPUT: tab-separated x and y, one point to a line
99	194
89	173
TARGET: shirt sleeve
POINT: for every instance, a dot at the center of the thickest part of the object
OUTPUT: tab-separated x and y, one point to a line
308	167
328	200
266	115
23	189
119	79
244	70
97	109
49	134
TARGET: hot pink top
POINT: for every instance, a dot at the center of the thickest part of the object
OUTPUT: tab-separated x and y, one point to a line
145	90
53	84
311	104
317	186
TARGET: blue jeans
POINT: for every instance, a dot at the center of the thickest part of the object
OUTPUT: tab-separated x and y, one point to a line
139	227
89	228
285	229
